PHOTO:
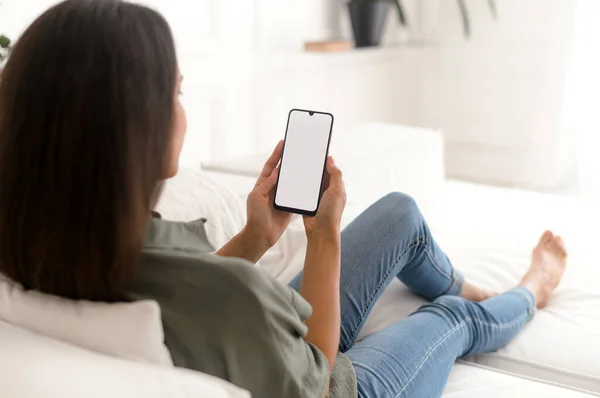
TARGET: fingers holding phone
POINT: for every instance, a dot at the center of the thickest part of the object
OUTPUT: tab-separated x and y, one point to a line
271	164
333	202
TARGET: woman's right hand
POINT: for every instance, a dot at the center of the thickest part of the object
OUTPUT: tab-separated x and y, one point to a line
331	207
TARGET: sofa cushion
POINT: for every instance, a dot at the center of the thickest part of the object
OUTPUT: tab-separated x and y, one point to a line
126	330
36	366
467	381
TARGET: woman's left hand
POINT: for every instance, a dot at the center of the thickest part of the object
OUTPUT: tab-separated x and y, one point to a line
265	224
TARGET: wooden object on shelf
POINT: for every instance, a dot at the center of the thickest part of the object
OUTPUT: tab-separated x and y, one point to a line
328	46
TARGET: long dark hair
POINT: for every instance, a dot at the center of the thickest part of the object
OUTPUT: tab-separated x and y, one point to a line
87	102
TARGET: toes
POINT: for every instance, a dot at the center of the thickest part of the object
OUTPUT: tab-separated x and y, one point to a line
559	240
557	246
546	238
562	251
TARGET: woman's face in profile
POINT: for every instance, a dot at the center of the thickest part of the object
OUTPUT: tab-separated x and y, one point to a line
178	133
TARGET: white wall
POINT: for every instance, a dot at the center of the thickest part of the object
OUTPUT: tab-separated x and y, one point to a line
16	15
583	96
499	96
244	69
256	71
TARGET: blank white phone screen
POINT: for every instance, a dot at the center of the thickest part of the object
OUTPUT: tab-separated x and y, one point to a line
303	160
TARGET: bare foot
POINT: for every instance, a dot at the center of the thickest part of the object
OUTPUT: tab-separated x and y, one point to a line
473	293
548	264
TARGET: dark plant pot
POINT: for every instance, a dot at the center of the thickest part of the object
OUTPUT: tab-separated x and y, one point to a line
368	20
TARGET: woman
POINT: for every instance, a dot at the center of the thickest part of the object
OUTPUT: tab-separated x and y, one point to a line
91	123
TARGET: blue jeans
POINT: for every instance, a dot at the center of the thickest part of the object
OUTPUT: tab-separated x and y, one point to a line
413	357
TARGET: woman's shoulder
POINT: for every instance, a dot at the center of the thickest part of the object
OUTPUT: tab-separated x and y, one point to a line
177	235
207	276
181	250
192	265
210	294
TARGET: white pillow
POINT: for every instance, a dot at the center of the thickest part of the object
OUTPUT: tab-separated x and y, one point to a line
127	330
36	366
192	195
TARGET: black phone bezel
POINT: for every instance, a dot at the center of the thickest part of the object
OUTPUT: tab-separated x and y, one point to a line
302	211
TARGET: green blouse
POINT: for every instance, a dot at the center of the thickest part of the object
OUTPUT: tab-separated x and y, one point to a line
224	317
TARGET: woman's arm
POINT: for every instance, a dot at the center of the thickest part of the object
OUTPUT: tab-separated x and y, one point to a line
265	225
321	279
321	288
247	245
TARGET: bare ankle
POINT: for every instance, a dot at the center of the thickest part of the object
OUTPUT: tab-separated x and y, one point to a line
474	293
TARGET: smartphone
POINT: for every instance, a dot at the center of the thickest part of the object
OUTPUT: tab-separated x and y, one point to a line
302	169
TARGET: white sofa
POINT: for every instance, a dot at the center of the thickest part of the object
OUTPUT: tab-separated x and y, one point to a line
487	232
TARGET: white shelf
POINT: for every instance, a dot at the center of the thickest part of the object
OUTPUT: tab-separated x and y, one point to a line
351	58
217	67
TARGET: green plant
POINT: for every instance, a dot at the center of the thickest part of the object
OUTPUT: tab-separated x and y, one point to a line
462	6
4	47
464	12
401	13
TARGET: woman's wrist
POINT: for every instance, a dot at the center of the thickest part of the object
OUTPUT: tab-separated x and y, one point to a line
330	234
248	244
254	238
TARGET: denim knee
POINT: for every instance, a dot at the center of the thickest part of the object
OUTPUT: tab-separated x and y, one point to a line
453	308
402	204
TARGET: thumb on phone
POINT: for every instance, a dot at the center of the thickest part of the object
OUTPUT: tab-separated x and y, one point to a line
335	174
